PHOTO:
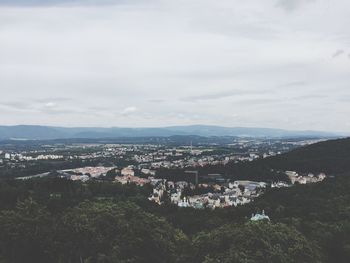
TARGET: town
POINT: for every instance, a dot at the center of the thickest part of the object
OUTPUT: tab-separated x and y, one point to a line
30	159
173	171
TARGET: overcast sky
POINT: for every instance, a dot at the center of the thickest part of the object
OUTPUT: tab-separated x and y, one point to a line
262	63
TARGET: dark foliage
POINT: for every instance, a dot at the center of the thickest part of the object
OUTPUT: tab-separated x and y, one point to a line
56	220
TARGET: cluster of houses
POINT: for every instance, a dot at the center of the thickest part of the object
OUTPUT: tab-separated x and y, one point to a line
85	173
228	194
131	179
21	157
294	177
221	195
184	194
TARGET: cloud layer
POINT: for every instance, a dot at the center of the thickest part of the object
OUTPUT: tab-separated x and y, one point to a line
273	63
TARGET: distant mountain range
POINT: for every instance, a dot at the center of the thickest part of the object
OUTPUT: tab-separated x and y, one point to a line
34	132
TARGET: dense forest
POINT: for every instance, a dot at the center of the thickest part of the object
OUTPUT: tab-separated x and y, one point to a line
56	220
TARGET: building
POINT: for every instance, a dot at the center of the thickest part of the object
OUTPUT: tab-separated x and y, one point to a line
260	217
128	171
184	203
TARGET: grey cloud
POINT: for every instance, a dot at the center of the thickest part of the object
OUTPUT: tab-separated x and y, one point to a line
309	97
41	106
345	98
213	96
98	108
241	92
53	111
258	101
294	84
224	94
156	100
60	2
338	53
25	104
53	99
16	105
291	5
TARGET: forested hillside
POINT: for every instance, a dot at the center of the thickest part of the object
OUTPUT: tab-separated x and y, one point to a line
331	157
55	220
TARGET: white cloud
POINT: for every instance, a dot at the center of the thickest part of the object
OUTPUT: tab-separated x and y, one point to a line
129	110
50	104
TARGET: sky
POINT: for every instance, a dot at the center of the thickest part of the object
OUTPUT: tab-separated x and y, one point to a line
150	63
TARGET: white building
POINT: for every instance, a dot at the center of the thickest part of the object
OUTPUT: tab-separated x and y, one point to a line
128	171
259	217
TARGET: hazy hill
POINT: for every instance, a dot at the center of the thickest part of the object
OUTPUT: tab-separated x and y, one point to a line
331	157
47	133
